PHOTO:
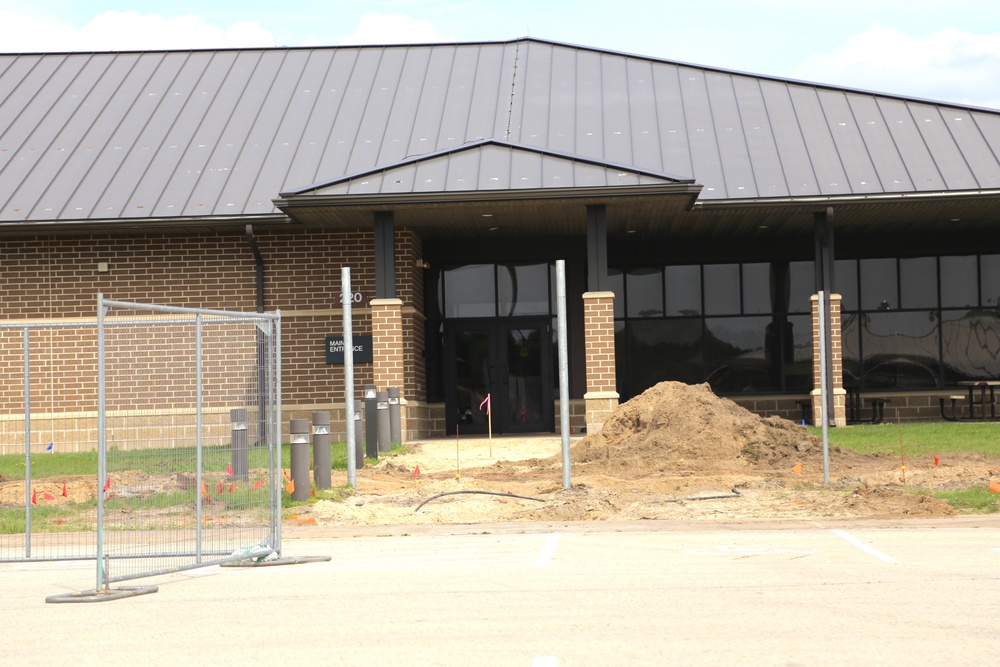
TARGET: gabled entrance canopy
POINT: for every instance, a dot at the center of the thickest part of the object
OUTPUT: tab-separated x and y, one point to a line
492	186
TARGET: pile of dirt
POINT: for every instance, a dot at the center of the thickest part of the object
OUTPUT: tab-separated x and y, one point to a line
674	426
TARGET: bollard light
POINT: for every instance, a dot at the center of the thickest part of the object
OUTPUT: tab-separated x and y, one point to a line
321	449
395	428
299	432
382	421
371	423
240	447
359	437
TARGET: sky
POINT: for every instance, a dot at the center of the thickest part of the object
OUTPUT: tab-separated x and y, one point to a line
942	51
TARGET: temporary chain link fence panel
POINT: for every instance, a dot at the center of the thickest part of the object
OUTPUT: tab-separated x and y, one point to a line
48	440
189	448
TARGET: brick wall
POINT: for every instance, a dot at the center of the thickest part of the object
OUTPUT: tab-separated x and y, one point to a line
51	279
599	341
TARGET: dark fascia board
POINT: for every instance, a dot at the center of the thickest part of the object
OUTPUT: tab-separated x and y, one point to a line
881	197
394	200
117	224
296	192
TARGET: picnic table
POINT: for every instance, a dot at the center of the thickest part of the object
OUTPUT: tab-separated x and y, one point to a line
986	398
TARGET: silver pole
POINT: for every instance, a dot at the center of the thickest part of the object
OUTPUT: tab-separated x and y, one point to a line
563	368
102	442
199	472
27	444
823	393
345	299
275	447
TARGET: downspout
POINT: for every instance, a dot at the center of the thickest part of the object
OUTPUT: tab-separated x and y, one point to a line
259	262
261	361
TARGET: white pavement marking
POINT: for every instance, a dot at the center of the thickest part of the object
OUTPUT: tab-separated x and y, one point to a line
549	548
871	551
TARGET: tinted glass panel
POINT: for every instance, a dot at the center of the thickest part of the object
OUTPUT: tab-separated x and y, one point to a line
644	288
918	282
683	289
959	282
616	284
900	350
469	291
722	289
735	355
798	369
524	289
971	344
990	267
801	276
663	350
845	283
756	288
878	284
850	341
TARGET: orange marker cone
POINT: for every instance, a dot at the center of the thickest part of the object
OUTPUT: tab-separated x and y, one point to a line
204	489
994	486
936	460
291	487
797	468
220	487
34	497
416	472
65	495
259	483
229	469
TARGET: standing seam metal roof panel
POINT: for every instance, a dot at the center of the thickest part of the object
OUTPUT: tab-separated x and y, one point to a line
560	117
859	172
947	156
796	167
762	151
617	126
706	160
645	148
727	126
920	166
820	145
889	168
977	153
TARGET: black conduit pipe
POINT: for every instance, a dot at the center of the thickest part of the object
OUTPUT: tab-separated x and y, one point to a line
485	493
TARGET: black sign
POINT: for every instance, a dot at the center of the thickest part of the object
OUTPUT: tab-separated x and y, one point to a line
362	349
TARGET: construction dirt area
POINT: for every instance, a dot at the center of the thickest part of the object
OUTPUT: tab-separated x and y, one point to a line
675	452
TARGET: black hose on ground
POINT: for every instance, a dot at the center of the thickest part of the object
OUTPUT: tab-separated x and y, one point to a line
735	493
487	493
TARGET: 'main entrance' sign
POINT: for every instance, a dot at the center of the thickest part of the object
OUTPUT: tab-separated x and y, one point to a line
362	349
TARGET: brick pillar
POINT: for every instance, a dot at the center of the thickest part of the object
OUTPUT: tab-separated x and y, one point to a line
837	360
387	344
601	398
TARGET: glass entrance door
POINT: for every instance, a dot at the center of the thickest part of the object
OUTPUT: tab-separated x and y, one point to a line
509	360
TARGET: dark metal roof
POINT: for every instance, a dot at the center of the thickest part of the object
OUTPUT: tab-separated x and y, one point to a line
212	135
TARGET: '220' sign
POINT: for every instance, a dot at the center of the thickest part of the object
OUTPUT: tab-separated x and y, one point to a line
357	299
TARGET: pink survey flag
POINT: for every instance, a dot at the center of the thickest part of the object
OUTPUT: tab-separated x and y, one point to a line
486	402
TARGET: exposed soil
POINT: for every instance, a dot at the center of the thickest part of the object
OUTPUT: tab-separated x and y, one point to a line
663	454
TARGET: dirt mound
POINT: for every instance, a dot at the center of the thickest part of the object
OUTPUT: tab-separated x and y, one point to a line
676	426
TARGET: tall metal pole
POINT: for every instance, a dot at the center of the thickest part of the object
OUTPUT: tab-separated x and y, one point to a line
27	444
345	299
823	389
102	443
563	368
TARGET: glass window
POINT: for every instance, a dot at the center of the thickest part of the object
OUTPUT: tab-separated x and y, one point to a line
798	370
971	344
616	284
756	288
735	355
664	350
900	349
683	290
801	279
523	289
722	289
879	284
990	280
918	282
959	282
470	291
644	293
845	283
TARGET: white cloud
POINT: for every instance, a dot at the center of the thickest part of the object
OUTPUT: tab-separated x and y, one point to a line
127	31
946	65
375	28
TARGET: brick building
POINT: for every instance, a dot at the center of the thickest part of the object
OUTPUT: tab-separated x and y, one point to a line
699	211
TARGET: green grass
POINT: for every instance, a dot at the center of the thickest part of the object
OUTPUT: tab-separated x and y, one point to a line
978	500
918	438
157	461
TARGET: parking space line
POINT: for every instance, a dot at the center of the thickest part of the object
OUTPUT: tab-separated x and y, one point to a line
871	551
548	549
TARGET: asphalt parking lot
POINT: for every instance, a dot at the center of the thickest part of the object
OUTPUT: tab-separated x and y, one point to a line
544	595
